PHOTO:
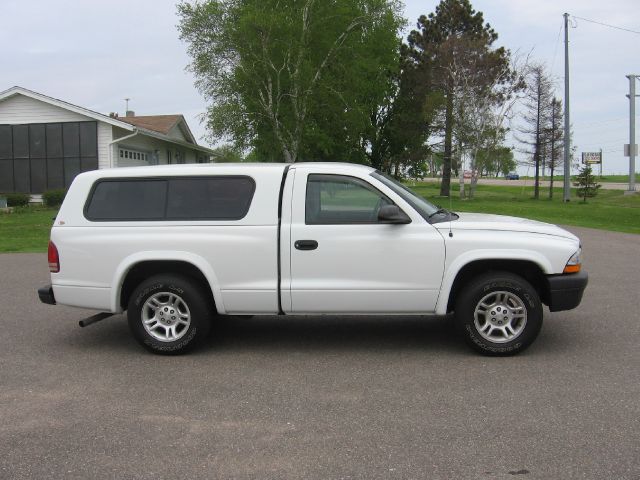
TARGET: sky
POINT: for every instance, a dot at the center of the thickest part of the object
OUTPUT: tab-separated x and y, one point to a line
96	53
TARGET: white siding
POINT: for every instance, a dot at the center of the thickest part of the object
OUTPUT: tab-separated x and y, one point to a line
190	156
140	143
104	137
176	132
149	145
20	109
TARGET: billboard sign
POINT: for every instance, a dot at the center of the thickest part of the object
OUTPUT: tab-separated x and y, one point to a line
589	158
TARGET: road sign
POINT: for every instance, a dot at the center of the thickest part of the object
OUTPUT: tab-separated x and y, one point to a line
626	150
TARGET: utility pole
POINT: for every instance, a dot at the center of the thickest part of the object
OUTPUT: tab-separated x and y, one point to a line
601	161
566	191
553	159
632	132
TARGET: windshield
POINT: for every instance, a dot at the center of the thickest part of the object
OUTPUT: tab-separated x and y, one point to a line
424	208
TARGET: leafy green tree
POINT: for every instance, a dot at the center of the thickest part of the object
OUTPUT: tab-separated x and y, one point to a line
227	154
494	161
454	44
293	79
397	140
586	183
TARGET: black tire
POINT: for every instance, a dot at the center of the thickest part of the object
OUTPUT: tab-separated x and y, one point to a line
188	311
499	329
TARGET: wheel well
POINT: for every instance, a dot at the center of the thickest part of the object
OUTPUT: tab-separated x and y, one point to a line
530	271
143	270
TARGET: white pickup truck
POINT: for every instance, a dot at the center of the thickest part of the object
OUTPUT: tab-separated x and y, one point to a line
177	245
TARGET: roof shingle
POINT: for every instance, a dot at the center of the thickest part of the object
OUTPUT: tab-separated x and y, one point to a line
157	123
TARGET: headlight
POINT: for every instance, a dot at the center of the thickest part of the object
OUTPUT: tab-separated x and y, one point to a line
575	262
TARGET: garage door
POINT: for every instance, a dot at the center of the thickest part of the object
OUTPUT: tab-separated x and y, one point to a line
44	156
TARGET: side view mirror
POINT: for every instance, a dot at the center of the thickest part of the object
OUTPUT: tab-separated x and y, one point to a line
392	214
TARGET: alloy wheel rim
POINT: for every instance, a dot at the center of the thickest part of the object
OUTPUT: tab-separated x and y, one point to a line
500	317
166	316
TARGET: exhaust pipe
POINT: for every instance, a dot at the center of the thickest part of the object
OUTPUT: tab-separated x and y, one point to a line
93	319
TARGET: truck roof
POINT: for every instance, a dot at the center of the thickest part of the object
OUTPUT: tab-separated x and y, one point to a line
211	168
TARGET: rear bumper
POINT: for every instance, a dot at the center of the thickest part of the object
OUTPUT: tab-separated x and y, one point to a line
565	291
46	295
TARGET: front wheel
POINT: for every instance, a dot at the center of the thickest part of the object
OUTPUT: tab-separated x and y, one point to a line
499	313
169	314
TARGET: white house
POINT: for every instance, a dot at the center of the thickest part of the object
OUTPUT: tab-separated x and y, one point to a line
46	142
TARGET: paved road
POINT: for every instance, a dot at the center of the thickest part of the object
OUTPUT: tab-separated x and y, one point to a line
324	398
529	183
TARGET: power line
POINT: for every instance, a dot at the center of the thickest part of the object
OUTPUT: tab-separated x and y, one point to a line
600	122
602	130
604	144
555	52
607	25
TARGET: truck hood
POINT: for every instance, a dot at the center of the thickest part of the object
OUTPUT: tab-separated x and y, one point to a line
483	221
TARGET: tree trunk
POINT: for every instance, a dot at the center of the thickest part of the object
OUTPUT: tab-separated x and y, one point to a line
474	177
445	185
287	155
472	184
461	177
536	152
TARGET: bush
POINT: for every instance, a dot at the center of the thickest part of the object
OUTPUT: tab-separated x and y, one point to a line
16	199
53	198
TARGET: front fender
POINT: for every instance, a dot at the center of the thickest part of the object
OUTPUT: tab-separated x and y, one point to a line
468	257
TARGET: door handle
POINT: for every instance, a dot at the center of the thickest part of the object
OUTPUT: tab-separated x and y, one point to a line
306	244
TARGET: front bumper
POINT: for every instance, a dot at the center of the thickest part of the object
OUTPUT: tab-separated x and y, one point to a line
46	295
565	291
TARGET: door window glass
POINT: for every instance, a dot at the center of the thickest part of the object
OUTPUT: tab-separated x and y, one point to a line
336	199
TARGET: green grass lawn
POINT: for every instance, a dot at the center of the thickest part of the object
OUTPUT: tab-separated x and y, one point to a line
603	179
609	210
27	229
614	178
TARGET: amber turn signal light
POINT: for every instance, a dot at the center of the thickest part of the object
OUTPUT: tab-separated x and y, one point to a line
572	268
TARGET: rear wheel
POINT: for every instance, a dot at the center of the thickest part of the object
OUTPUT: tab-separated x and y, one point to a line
499	313
169	314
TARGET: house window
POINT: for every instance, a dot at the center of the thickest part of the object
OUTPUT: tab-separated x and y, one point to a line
41	156
130	154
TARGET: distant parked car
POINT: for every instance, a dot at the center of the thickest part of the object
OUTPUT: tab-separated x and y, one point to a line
512	176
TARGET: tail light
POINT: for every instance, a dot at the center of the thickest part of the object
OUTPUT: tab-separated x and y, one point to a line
54	259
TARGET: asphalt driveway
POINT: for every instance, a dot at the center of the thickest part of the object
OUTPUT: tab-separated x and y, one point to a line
324	398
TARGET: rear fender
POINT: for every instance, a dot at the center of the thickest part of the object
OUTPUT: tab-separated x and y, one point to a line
163	256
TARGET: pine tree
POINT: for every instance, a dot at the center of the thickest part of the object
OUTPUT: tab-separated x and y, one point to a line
451	44
555	135
532	133
586	183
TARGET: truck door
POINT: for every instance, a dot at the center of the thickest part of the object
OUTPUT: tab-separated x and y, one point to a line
344	260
